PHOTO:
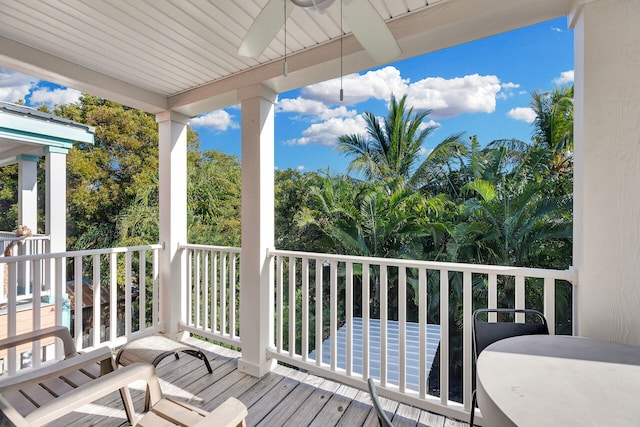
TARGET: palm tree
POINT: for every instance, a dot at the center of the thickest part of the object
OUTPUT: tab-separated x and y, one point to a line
364	218
554	127
391	150
513	224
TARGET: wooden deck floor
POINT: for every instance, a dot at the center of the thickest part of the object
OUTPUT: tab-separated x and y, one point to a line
284	397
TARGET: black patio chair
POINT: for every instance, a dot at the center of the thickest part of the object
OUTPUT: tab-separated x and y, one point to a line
382	416
486	333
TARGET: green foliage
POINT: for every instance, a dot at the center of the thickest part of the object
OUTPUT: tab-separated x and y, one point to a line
215	181
390	152
291	197
9	197
105	178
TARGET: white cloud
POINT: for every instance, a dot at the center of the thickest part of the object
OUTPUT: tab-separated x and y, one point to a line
451	97
377	84
444	97
327	133
300	168
219	120
430	123
566	77
14	86
59	96
507	90
313	107
524	114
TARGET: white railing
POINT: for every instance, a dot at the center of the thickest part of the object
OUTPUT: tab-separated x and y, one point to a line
104	296
420	296
21	246
409	328
212	307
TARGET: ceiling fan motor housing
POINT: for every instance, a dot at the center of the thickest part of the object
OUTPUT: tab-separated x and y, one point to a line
317	5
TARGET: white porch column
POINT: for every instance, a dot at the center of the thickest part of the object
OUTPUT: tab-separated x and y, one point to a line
256	305
607	168
56	198
172	141
28	191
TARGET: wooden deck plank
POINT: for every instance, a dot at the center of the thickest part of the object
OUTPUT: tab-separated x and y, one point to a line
209	388
286	408
429	419
335	408
406	416
289	405
189	387
358	411
284	396
266	404
321	394
454	423
246	383
262	387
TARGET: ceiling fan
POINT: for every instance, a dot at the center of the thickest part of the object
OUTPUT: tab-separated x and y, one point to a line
364	20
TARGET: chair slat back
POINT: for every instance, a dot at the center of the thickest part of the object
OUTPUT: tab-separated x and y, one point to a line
487	333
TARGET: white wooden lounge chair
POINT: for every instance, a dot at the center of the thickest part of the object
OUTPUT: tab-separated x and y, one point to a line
34	397
163	412
32	391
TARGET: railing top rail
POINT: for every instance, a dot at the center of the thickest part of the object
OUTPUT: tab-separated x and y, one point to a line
210	247
81	253
13	238
568	275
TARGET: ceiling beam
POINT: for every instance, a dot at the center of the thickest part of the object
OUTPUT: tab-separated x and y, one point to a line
36	63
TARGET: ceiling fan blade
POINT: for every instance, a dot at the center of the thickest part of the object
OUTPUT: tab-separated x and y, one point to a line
371	31
264	28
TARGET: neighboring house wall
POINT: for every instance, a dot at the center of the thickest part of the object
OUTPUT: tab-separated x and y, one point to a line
24	323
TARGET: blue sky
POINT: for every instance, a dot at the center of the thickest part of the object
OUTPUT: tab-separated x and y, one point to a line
481	88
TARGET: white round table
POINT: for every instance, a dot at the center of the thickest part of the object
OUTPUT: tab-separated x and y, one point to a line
542	380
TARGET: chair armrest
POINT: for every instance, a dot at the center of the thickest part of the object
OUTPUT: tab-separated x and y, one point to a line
53	331
230	414
96	389
101	355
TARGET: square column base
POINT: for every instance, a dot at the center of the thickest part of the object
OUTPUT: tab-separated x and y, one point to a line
254	369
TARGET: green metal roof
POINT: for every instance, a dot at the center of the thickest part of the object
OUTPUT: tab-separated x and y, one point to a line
27	131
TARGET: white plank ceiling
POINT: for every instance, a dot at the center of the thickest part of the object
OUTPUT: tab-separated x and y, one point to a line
182	54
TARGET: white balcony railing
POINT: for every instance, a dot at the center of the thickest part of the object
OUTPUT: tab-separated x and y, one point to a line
212	307
21	246
369	313
406	323
409	328
104	296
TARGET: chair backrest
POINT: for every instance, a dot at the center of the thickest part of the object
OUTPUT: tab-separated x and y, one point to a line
382	416
486	333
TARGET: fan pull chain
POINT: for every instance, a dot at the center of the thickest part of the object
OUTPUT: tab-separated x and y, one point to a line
341	38
285	67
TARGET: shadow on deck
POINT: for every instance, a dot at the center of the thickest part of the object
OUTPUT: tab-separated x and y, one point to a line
284	397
